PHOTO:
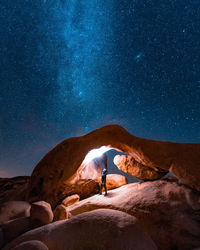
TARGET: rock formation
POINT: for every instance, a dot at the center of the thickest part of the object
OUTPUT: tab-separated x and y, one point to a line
99	229
128	164
13	189
41	213
70	200
14	209
1	238
14	228
31	245
61	213
168	211
60	172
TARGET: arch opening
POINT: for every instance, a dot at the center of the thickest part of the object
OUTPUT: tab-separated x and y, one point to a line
95	153
92	165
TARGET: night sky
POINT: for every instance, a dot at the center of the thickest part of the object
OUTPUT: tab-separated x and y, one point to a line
71	66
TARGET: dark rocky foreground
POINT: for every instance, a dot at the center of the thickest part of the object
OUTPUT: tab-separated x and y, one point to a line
13	188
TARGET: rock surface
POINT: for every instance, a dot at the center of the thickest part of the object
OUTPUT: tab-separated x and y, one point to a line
128	164
114	181
168	211
31	245
1	238
13	189
12	229
14	209
70	200
84	188
41	213
64	163
61	213
100	229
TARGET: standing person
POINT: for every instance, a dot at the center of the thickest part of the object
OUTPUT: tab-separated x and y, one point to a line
104	173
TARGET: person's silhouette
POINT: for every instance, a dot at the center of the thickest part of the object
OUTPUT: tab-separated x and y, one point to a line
104	173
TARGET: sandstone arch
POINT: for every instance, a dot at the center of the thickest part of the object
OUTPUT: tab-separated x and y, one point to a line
55	174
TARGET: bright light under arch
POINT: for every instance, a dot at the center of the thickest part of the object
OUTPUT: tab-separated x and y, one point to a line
94	153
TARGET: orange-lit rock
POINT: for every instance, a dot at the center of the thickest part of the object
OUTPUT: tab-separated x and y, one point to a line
60	213
61	169
128	164
70	200
114	181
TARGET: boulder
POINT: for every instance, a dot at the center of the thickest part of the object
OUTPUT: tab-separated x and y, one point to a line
31	245
128	164
41	213
114	181
99	229
61	169
14	209
61	213
13	228
70	200
165	209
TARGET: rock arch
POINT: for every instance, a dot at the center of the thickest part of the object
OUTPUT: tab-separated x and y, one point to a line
54	175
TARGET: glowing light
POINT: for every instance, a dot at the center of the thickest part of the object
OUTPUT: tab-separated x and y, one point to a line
94	153
139	56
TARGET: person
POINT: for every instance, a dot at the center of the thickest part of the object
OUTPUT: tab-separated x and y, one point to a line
104	173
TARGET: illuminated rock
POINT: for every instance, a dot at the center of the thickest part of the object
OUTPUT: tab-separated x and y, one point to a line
99	229
83	187
70	200
60	213
128	164
166	210
62	167
114	181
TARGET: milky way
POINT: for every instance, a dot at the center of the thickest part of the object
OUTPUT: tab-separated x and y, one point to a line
68	67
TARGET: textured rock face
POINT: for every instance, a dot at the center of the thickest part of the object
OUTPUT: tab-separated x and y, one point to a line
70	200
13	228
13	189
128	164
54	176
84	188
14	209
114	181
99	229
41	213
61	213
31	245
1	238
168	211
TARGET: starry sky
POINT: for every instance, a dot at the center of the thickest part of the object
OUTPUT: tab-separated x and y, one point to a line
69	66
